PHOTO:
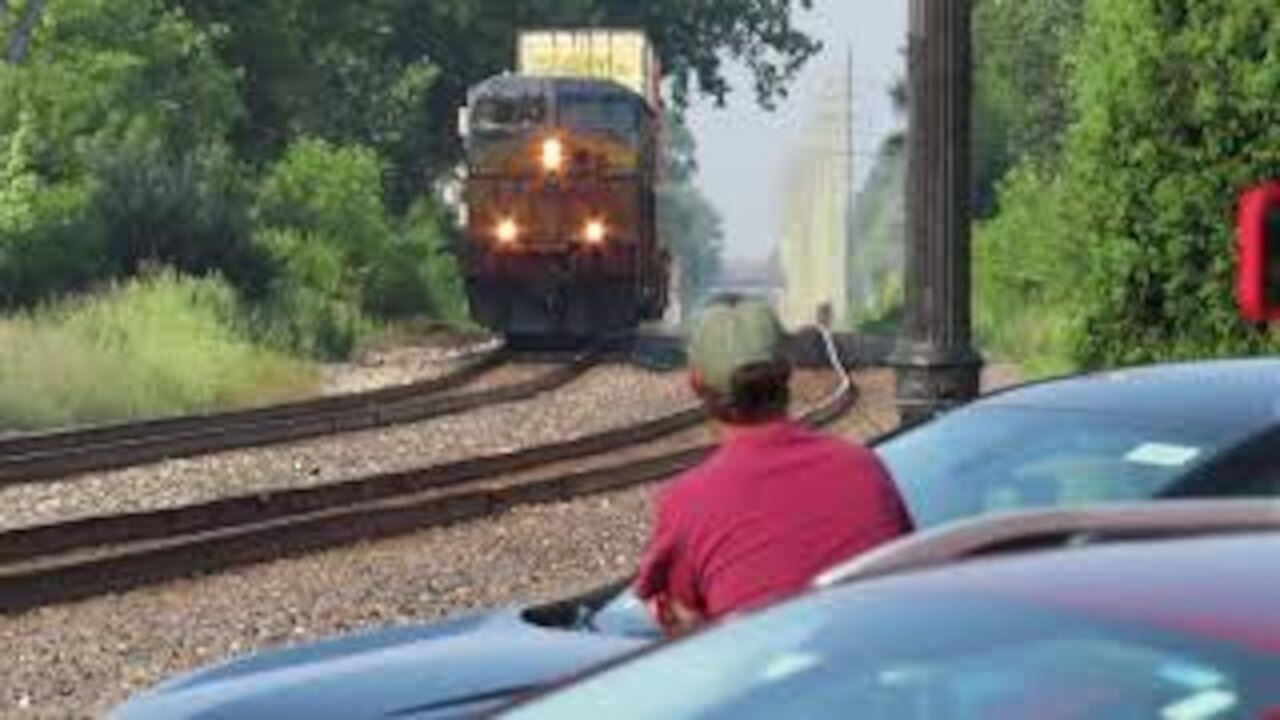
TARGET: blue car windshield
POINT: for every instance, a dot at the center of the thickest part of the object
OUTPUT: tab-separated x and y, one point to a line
886	653
989	458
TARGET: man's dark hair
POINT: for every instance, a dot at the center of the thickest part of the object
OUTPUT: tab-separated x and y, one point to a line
761	394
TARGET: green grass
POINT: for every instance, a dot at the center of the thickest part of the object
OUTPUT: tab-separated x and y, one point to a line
1036	338
160	346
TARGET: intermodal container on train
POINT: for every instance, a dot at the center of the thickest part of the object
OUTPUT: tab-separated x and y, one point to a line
622	56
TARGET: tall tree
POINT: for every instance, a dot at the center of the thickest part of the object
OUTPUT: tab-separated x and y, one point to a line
1022	98
392	73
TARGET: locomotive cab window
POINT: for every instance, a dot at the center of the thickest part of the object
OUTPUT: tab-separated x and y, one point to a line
593	113
496	115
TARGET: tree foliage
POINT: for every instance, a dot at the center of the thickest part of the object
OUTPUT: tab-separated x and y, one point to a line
687	222
1176	114
391	74
1119	237
1021	102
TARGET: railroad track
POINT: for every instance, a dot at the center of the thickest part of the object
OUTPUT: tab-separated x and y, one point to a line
83	558
53	456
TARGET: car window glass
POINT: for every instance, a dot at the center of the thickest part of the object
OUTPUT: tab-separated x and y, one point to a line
985	459
1254	473
913	657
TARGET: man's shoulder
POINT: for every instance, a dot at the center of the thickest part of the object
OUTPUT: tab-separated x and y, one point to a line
835	444
695	482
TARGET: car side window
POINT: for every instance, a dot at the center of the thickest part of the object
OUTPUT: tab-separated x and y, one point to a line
1251	472
1261	480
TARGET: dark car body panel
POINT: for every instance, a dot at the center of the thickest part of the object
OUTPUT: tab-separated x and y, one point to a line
1213	588
451	669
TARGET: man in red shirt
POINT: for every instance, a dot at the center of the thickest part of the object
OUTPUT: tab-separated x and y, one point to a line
776	503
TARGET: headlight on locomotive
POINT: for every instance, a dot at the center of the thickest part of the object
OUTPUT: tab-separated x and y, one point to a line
552	154
595	232
507	231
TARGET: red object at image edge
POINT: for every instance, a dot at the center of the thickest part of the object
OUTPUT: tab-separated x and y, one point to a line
1251	290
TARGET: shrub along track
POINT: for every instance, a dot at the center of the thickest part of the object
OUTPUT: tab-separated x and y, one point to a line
47	457
82	558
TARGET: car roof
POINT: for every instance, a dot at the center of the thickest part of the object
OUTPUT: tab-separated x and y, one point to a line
1238	392
1219	587
1024	530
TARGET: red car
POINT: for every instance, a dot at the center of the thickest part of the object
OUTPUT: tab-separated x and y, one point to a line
1168	611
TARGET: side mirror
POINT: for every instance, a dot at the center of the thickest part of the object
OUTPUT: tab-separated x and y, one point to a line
464	122
1258	239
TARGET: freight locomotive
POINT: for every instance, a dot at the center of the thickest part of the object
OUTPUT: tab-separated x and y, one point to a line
563	158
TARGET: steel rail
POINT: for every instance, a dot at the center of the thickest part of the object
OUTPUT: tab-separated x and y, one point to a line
46	458
25	444
69	561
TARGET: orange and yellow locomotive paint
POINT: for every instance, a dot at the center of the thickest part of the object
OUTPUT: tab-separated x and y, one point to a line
561	170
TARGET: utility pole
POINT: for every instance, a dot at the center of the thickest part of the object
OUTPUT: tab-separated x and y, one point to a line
937	366
845	270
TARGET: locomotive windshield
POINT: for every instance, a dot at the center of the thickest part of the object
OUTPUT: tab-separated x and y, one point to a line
503	115
614	115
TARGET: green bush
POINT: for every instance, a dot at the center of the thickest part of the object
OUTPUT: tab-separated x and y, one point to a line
342	262
50	244
419	273
1119	248
150	347
1027	268
311	309
1176	108
187	210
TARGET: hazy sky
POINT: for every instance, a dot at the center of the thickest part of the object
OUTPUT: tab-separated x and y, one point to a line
742	149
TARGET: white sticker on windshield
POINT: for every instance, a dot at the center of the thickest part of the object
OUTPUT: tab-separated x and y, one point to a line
788	666
1162	454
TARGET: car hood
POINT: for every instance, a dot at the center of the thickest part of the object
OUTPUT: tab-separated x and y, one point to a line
451	669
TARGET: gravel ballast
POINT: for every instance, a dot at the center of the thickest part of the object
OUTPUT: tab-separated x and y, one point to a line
397	366
607	397
79	660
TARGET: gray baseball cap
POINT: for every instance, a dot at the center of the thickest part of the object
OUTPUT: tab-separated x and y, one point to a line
733	332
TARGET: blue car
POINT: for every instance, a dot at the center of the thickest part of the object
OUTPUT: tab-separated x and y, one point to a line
1155	610
1207	429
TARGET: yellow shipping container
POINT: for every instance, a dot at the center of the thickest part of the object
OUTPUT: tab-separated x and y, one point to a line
624	56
